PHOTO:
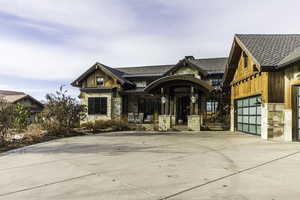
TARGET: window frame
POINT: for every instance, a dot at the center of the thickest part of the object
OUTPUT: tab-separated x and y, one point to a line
97	105
99	77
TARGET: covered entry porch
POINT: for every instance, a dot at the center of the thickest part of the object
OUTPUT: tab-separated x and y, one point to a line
183	101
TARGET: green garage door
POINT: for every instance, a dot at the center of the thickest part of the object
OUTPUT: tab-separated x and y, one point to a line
249	115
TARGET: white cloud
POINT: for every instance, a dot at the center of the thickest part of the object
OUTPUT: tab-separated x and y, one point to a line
114	33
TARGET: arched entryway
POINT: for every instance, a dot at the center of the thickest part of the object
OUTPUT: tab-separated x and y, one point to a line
183	100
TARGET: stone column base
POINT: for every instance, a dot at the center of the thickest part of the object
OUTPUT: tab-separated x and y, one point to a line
194	122
288	125
164	122
232	119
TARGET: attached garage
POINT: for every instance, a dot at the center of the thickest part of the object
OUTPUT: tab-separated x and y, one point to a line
248	115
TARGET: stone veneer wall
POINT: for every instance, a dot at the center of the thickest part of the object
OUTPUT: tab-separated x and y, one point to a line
232	119
288	125
116	110
194	122
164	122
276	120
92	118
272	121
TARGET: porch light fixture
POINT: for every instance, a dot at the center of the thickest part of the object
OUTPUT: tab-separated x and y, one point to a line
163	99
193	99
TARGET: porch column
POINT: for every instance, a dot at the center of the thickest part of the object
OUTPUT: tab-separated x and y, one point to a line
164	120
194	120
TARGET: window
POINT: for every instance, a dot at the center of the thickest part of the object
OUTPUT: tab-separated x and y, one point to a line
211	106
216	82
245	60
148	106
97	105
99	81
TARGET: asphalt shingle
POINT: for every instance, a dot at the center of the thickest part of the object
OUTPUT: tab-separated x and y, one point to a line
270	49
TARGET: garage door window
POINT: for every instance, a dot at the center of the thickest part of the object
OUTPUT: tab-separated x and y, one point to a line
249	115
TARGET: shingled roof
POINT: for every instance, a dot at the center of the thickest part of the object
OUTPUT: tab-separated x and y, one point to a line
211	65
7	92
152	69
269	49
14	97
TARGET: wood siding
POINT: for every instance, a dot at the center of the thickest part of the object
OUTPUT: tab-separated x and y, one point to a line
90	81
276	87
248	81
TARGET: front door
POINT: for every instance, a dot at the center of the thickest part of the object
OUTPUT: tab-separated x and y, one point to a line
183	109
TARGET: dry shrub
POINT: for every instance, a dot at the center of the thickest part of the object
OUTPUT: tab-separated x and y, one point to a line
112	125
34	133
54	127
88	126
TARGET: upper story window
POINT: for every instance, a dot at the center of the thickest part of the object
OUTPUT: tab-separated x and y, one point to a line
99	81
245	60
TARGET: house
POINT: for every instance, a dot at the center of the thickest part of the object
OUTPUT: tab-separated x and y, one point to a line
178	94
263	79
33	105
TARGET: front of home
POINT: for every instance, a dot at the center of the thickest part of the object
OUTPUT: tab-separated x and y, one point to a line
261	79
170	95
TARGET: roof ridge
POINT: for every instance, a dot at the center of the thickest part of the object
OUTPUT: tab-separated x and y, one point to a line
268	34
144	66
211	58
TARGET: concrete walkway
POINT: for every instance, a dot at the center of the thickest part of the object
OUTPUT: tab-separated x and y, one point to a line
207	165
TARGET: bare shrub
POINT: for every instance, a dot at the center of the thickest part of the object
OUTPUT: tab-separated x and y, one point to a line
62	113
113	125
34	133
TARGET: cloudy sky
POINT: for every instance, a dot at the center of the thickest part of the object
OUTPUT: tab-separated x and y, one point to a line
47	43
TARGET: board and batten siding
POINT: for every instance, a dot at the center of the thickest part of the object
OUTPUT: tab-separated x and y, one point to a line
248	81
276	87
90	81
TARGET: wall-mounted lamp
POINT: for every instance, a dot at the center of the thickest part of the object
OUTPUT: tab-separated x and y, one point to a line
193	99
163	99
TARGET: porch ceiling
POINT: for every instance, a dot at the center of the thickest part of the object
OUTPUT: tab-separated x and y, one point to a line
179	80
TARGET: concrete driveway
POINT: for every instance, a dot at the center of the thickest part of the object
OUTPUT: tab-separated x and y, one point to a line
207	165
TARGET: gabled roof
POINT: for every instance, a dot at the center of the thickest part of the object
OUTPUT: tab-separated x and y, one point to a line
291	58
211	65
7	92
14	97
110	71
269	49
207	66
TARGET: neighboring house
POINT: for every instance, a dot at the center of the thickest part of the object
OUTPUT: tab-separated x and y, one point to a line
33	105
263	77
177	94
